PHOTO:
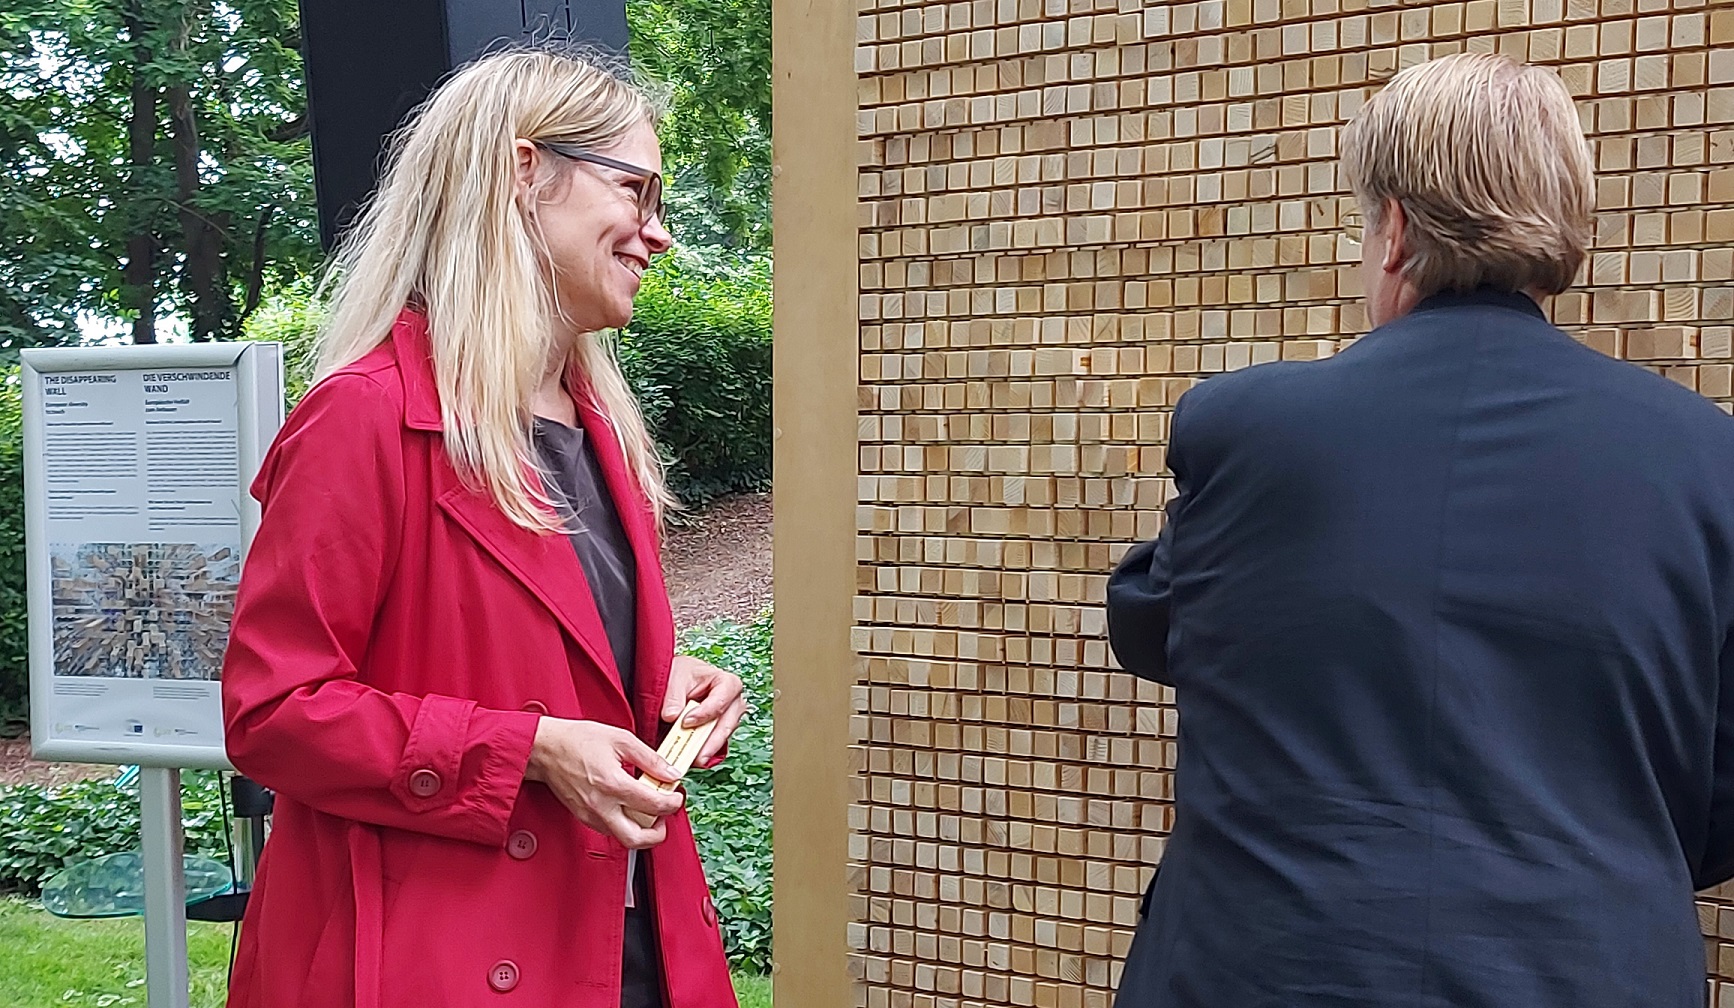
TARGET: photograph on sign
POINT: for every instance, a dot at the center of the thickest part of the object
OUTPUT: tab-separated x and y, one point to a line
139	517
142	610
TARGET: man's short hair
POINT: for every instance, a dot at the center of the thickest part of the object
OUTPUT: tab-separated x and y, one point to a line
1489	163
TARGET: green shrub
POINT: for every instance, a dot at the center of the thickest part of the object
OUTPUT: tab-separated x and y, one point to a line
290	317
14	646
731	804
44	829
698	353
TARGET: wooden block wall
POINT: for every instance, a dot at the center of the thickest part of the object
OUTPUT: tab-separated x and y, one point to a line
1069	211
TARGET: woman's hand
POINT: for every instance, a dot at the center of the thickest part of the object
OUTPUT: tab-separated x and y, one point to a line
720	699
585	764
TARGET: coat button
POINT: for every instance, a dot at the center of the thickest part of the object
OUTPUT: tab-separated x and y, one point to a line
521	845
709	912
536	707
424	783
503	976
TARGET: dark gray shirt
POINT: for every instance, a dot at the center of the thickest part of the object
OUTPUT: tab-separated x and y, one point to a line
596	535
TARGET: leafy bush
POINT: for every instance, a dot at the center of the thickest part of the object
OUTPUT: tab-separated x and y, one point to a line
14	647
731	804
289	316
44	829
698	353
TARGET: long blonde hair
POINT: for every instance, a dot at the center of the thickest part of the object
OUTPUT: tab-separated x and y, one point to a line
446	231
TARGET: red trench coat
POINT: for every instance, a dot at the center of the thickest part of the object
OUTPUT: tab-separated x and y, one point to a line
395	640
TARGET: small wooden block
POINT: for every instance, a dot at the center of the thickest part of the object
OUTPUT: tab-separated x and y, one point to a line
680	748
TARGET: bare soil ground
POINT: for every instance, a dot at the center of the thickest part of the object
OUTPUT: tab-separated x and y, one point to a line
718	563
16	767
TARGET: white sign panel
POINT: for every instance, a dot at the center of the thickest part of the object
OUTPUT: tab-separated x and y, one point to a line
137	463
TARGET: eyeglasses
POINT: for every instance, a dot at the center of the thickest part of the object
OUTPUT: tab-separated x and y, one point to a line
1354	228
650	204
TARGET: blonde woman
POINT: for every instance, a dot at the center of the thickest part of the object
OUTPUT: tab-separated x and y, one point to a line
453	652
1447	616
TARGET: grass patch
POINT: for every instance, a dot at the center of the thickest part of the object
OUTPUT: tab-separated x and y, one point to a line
100	963
51	961
753	991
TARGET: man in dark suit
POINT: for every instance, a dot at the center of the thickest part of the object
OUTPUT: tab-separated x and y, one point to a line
1447	616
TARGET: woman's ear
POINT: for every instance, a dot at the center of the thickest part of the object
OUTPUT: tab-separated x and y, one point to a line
528	157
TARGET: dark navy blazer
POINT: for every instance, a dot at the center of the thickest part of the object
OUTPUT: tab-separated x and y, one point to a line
1447	616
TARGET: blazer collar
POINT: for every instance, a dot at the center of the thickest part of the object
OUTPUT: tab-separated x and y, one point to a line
1482	296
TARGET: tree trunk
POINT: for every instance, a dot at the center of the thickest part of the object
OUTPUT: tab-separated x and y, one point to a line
15	317
202	272
138	277
255	276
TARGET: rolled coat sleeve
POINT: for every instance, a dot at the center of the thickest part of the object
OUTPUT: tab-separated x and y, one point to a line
1141	588
1139	594
299	717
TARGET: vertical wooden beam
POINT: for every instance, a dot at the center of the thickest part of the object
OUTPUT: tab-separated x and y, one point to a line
816	361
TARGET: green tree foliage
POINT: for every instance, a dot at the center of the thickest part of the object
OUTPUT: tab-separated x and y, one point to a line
715	56
156	163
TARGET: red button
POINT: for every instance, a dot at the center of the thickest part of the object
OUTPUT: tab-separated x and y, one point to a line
535	706
424	783
503	976
709	912
521	845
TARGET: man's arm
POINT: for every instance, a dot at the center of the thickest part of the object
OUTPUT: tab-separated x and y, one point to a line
1141	588
1715	864
1138	605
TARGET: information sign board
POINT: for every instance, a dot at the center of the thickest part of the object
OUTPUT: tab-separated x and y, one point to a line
137	462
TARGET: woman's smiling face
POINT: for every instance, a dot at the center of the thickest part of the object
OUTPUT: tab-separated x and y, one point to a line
598	242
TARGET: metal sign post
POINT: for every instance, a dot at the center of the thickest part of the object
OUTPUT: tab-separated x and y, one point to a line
165	889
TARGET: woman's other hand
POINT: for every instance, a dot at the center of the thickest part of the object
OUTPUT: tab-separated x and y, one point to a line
721	699
585	764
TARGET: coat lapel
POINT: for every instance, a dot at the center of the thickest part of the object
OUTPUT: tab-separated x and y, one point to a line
545	564
655	628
